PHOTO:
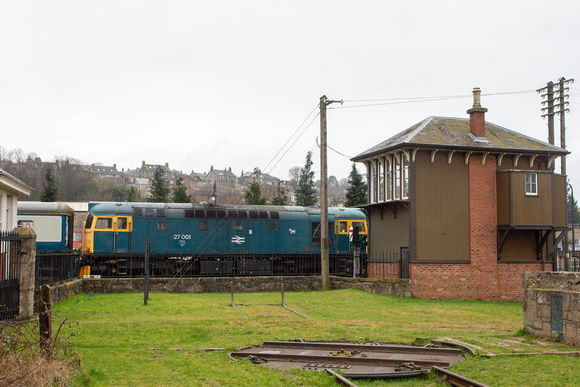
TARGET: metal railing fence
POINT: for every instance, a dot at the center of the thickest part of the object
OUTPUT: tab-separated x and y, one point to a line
386	265
56	266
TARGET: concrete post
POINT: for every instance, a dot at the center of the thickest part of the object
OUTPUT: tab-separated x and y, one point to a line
27	270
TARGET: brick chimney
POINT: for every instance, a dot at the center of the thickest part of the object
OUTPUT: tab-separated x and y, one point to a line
477	115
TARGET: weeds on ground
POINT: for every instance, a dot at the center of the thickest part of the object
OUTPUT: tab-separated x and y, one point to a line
23	363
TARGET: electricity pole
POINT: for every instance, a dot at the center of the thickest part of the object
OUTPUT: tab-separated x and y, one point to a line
324	264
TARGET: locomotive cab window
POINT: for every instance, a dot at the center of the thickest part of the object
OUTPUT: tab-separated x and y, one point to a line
162	225
272	227
238	226
121	223
104	223
89	222
343	226
202	226
360	225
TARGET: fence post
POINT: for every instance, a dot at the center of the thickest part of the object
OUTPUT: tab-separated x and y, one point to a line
45	320
27	270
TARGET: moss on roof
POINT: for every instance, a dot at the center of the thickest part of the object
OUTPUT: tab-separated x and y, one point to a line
454	133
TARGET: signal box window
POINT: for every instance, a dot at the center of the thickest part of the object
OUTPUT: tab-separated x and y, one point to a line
531	184
104	223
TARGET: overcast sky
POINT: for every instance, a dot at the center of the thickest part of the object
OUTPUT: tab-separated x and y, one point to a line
227	83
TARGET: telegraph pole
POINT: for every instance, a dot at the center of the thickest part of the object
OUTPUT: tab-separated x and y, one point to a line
560	105
324	264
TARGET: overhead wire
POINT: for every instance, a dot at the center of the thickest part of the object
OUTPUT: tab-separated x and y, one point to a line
297	138
290	138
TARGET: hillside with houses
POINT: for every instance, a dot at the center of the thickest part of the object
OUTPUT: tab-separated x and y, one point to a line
79	181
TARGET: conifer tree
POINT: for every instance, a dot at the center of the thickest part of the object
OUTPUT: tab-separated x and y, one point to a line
180	192
254	193
356	193
49	188
572	208
305	191
159	189
133	195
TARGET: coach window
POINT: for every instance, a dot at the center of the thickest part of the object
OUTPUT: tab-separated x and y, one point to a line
162	225
202	226
238	226
272	227
104	223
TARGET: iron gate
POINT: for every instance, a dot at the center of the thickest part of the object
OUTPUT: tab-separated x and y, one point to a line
9	275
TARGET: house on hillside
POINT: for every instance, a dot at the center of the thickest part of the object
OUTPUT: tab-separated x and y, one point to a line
148	170
10	188
264	179
105	172
471	204
221	176
141	185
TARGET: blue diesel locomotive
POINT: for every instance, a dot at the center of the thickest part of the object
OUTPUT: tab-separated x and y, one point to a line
197	228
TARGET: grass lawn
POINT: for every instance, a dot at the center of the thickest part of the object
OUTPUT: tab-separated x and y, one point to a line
122	342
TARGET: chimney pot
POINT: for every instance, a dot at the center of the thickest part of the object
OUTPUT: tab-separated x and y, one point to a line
477	115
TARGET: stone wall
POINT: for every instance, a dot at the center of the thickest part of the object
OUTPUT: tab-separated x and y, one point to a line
65	290
551	306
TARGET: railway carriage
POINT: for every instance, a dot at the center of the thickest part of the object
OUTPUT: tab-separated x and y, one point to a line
51	221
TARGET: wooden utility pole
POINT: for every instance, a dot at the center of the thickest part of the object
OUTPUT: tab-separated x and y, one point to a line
324	264
560	110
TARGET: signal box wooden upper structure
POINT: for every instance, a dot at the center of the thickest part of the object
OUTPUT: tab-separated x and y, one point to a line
474	205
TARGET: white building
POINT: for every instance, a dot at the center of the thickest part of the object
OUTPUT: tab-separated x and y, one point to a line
10	188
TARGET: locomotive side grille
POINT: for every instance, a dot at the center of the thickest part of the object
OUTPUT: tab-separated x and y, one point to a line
199	213
211	213
263	214
254	215
274	215
243	214
221	214
138	212
189	213
160	213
